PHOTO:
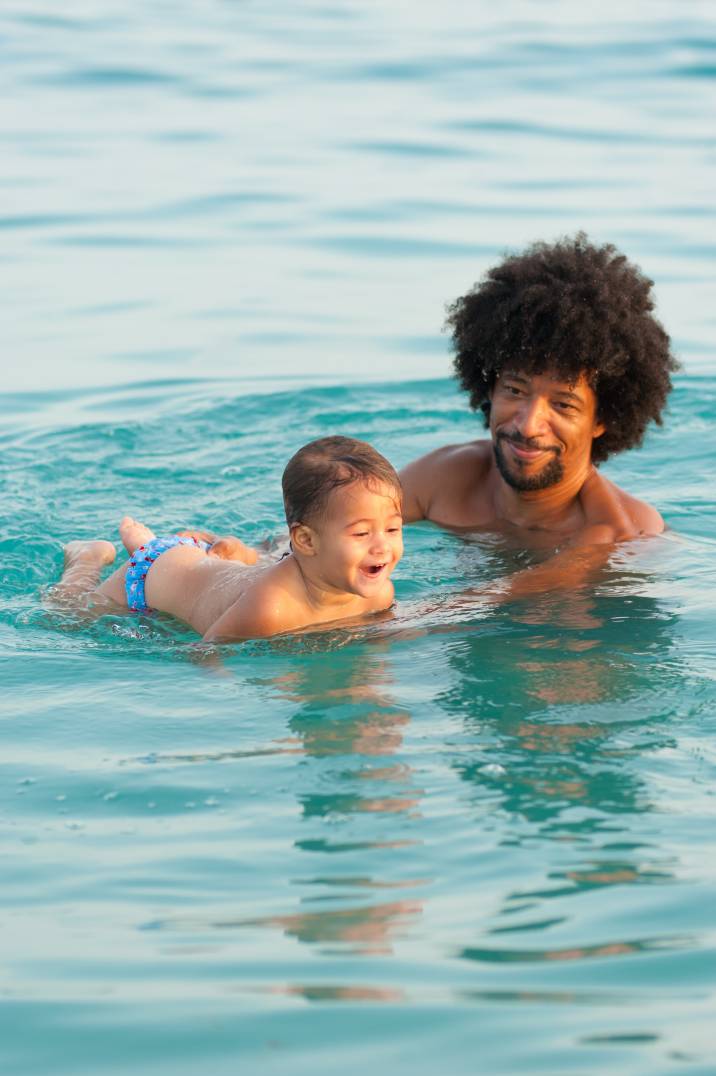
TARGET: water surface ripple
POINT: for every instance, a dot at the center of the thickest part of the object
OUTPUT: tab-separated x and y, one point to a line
406	839
218	189
461	838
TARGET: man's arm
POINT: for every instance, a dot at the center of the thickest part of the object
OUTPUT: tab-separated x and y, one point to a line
611	516
565	571
226	546
578	563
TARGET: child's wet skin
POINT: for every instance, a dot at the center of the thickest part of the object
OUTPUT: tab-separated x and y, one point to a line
134	534
343	508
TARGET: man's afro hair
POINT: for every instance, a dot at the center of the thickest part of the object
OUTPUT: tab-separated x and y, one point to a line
568	308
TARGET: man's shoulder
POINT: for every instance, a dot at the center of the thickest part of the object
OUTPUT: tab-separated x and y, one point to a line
646	520
452	460
447	474
468	451
443	484
605	504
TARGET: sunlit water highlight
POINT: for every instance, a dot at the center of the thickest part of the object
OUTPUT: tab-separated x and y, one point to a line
459	840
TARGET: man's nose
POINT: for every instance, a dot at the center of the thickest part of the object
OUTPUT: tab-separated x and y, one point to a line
532	417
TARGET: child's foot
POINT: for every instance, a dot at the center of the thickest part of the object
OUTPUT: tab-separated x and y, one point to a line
81	554
84	562
134	534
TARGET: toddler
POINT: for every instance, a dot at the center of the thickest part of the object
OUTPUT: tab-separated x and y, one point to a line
343	508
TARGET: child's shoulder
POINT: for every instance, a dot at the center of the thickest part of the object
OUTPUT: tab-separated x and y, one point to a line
272	605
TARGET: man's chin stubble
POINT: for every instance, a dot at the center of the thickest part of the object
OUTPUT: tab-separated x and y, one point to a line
550	475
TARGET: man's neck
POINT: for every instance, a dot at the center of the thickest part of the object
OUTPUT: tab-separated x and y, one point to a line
555	508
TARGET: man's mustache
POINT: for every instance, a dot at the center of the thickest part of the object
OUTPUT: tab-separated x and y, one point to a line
516	438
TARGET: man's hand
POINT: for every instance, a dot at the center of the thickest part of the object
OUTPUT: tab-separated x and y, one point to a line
225	546
199	536
229	547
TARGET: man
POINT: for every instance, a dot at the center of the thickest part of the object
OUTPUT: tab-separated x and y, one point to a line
560	350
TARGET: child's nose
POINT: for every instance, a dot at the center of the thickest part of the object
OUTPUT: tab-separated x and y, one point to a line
380	543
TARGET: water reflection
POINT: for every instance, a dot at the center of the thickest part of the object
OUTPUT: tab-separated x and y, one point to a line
345	711
345	708
587	952
556	719
345	705
558	710
332	992
560	718
360	929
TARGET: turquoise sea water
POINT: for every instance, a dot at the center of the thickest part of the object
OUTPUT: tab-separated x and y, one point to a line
452	842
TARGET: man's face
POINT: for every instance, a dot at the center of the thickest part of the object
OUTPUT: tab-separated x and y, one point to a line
542	428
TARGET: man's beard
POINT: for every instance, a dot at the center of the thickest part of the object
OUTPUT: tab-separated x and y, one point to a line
550	475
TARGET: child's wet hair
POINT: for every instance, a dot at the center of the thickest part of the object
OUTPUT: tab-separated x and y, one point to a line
323	466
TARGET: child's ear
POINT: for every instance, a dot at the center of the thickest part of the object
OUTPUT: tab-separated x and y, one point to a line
303	540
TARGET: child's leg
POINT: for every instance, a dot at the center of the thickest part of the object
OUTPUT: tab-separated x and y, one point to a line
133	534
84	562
227	547
183	581
172	584
167	584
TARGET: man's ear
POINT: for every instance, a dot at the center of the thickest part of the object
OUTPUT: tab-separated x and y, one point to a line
599	429
303	540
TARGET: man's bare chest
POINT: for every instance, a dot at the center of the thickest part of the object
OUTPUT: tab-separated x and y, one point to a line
476	514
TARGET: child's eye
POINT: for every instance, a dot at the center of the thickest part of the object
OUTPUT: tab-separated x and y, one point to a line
360	534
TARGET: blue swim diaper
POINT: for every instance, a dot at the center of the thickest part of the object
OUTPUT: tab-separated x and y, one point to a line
141	561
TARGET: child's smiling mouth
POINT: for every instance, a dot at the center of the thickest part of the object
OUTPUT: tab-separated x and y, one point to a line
373	570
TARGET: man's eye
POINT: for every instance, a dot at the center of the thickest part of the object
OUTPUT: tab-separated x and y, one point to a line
562	405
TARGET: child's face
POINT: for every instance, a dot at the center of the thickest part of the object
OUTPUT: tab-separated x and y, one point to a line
359	539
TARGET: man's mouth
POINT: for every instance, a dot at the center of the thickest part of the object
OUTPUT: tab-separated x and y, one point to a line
526	450
526	454
526	465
